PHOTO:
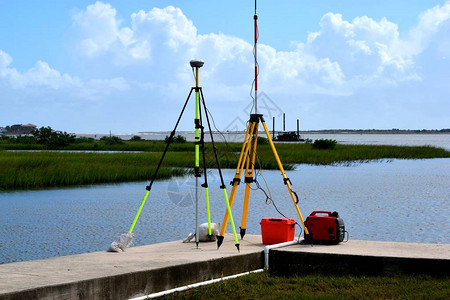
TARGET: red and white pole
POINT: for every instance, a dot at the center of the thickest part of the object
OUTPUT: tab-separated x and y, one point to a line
255	18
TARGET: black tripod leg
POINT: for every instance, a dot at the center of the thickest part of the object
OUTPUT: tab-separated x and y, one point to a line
222	186
212	141
205	185
149	187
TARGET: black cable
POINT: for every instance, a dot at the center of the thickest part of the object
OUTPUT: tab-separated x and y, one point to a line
269	201
212	141
258	186
223	136
202	145
269	198
254	80
193	73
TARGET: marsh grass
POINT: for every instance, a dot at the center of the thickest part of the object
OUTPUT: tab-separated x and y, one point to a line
305	153
24	170
34	170
263	286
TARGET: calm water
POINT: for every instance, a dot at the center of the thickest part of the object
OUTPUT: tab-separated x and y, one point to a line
399	200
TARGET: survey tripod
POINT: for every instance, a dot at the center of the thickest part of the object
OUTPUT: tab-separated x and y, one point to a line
248	157
199	145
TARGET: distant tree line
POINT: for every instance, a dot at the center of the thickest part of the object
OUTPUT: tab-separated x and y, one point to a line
44	135
56	139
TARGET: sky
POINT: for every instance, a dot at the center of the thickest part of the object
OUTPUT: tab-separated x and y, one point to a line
123	66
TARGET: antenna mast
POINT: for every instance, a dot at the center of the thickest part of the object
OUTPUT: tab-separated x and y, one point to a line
255	54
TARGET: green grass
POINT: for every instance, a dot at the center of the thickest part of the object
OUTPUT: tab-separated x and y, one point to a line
144	145
34	170
302	153
24	170
262	286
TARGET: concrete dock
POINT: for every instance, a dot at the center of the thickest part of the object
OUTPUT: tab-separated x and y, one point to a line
361	258
153	268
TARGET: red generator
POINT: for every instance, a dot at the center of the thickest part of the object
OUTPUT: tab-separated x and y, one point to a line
324	228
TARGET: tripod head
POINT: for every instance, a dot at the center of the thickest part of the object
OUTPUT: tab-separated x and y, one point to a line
197	63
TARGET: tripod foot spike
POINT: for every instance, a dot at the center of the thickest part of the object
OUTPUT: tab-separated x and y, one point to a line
237	246
210	236
242	232
219	240
196	244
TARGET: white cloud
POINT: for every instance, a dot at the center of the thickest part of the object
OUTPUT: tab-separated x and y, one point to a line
364	49
166	39
372	53
429	24
341	58
140	50
99	27
101	33
169	23
5	60
42	77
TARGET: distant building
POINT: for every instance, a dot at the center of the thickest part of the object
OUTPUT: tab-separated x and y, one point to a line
20	129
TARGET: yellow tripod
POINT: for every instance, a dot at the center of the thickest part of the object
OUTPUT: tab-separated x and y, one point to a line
247	158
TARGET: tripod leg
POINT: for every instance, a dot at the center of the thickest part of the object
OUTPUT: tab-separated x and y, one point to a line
237	176
209	214
243	227
249	170
285	179
236	242
149	187
222	186
205	174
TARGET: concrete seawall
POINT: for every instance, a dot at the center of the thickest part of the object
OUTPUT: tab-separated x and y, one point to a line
153	268
137	271
362	258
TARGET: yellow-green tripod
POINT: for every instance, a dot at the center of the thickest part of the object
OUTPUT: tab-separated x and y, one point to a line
124	240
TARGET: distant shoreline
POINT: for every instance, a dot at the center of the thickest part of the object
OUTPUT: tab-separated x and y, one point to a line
379	131
322	131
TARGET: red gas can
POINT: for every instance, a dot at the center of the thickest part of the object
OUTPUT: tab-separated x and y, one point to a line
277	230
324	227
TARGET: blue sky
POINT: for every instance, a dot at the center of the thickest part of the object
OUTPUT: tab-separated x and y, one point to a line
87	66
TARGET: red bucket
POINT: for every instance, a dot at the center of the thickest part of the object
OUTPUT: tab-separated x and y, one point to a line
277	230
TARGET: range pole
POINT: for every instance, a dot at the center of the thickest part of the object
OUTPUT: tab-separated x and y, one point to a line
255	54
197	148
